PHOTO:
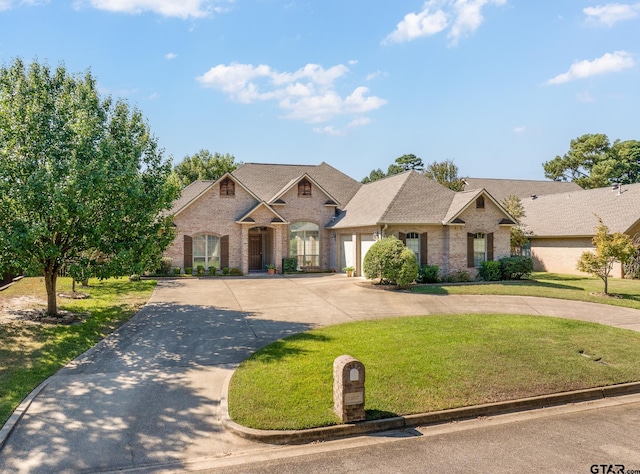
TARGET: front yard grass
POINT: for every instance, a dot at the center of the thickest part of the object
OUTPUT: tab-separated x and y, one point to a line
29	353
551	285
429	363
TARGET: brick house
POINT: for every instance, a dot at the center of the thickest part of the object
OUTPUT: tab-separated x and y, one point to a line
561	217
262	213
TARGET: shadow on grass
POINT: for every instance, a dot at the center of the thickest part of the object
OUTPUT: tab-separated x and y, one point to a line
373	414
282	349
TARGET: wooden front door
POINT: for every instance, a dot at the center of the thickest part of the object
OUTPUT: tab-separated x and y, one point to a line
255	252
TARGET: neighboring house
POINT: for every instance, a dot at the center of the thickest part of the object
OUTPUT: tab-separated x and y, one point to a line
262	213
562	225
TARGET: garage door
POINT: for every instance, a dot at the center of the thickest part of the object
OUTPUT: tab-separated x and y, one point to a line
366	241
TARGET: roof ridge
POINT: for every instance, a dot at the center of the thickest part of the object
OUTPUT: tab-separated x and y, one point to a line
397	193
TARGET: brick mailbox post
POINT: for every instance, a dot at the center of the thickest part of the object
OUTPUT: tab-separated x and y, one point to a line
348	389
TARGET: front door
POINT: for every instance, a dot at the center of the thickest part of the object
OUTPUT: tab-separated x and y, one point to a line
255	252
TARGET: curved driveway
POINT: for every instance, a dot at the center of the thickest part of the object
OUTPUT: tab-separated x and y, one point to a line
149	395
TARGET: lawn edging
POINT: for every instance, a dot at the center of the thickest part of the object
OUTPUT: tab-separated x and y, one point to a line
327	433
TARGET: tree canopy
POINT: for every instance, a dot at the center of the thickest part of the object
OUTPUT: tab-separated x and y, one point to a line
513	205
592	162
446	173
82	180
204	165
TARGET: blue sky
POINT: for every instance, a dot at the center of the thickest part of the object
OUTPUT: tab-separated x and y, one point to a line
498	86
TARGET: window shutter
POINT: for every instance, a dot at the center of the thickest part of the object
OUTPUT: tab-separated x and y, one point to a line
470	250
423	249
402	237
490	246
188	251
224	251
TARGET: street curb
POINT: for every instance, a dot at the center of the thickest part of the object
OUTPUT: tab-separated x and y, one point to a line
422	419
19	412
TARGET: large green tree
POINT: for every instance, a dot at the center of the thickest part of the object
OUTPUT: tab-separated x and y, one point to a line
82	180
446	173
204	165
592	162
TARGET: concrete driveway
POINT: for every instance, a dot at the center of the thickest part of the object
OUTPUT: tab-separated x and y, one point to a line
147	398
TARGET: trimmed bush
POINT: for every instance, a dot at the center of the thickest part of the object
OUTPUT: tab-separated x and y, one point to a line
176	270
188	271
200	270
235	272
490	270
516	267
428	274
289	265
212	270
225	271
459	276
388	261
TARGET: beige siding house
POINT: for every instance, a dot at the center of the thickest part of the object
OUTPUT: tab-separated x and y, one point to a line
262	213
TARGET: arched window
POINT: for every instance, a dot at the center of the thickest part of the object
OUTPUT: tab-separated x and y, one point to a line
304	188
480	202
206	251
304	243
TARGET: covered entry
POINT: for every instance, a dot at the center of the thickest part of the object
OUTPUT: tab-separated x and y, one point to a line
260	248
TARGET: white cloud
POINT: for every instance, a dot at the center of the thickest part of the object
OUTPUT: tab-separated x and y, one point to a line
170	56
428	22
170	8
519	129
612	13
610	62
308	94
376	74
462	16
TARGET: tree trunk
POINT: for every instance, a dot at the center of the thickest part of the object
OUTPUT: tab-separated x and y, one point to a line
606	285
50	281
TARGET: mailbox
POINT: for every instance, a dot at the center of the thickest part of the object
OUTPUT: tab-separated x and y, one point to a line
348	389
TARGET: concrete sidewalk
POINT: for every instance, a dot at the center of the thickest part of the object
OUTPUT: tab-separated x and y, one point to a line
148	397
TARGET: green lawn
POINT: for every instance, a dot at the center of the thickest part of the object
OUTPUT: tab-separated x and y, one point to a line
551	285
429	363
29	353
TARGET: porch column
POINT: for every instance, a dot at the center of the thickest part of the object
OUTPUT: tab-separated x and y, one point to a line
244	249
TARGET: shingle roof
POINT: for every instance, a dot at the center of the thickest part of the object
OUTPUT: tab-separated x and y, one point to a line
191	192
406	198
503	188
576	213
267	180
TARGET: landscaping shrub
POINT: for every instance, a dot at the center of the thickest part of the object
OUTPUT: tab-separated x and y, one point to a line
428	274
490	271
459	276
165	266
212	270
388	261
235	272
516	267
200	270
289	265
225	271
188	271
176	270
